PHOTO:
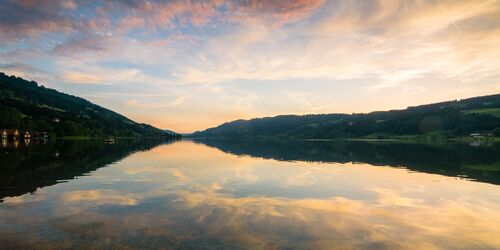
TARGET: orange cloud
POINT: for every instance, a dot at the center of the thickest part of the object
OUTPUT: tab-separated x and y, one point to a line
279	11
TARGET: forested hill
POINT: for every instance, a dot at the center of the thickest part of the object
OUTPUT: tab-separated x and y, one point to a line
26	105
452	118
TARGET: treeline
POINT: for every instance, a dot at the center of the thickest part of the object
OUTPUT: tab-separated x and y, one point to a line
26	105
453	118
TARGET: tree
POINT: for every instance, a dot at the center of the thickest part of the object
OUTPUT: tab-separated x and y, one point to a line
10	117
68	127
496	132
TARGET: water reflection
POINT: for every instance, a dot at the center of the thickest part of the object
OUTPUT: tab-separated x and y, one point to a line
187	195
477	162
25	167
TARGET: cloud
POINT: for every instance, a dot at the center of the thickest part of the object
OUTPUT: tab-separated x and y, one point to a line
349	39
276	12
35	20
19	67
24	19
26	71
171	14
99	197
176	102
393	42
102	76
238	52
69	4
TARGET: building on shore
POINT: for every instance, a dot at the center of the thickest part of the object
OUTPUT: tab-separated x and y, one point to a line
16	134
11	134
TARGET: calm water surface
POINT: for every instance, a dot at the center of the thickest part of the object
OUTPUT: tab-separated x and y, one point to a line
249	195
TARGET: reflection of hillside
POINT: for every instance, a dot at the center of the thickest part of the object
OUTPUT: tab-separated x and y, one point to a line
478	163
26	168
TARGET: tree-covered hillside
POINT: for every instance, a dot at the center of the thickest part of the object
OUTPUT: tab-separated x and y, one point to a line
26	105
453	118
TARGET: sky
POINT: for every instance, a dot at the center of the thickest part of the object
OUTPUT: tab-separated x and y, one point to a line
191	65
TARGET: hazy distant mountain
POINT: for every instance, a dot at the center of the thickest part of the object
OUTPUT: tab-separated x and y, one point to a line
25	105
452	118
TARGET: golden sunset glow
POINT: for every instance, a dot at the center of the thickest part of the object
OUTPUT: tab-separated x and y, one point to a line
189	65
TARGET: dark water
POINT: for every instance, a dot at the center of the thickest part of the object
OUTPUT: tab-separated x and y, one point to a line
220	194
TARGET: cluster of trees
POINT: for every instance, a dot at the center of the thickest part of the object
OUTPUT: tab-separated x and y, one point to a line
25	105
453	118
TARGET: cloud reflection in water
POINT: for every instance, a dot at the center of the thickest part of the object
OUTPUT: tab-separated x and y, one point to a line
187	195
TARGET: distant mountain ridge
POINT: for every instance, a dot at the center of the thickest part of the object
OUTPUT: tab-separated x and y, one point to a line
26	105
452	118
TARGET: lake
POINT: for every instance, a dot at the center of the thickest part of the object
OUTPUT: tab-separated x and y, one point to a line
258	194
